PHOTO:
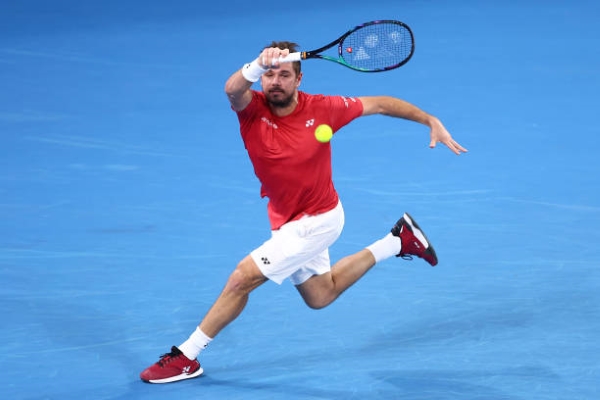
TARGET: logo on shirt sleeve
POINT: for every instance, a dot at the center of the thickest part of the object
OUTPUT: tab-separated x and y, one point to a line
352	99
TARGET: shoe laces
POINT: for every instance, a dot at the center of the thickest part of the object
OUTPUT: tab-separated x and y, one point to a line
168	357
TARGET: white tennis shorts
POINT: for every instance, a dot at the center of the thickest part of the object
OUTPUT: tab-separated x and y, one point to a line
300	249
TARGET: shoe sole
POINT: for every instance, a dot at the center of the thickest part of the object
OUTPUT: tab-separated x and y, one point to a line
176	378
418	232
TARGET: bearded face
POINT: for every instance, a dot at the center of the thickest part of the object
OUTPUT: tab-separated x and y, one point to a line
280	85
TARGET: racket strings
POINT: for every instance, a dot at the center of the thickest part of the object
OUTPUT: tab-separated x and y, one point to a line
377	47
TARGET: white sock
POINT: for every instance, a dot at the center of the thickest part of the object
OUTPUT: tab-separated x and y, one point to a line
386	247
197	342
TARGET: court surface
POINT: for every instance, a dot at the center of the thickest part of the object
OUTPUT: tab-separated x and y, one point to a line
126	199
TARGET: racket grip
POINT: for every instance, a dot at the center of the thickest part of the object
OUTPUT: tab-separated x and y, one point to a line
291	57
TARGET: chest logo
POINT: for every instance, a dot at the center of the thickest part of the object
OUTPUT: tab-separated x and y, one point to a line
268	122
310	122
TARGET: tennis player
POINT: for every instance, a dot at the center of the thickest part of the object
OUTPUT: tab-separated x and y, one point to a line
306	215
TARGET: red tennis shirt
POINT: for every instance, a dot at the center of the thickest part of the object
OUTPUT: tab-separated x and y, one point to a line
294	169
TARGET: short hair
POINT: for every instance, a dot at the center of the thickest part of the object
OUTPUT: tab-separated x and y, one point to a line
292	47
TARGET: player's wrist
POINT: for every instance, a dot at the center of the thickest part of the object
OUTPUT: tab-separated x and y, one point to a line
253	71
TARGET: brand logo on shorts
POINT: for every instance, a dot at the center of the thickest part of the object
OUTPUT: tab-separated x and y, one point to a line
265	260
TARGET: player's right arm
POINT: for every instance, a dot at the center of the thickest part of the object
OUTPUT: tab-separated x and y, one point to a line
238	91
238	85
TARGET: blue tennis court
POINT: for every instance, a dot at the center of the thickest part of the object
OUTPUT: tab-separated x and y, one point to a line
127	198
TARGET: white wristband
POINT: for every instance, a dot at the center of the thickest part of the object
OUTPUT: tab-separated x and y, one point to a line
253	71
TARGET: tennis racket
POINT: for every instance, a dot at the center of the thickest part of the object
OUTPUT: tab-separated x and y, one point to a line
374	46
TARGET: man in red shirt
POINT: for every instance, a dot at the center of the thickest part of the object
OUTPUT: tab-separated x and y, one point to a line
306	216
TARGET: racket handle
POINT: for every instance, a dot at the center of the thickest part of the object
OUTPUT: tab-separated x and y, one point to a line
291	57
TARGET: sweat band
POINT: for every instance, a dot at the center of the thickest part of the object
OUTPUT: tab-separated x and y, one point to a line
253	71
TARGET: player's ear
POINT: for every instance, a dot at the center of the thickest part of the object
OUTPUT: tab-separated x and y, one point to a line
298	80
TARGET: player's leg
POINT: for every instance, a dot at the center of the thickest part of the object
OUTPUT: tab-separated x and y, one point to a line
406	239
234	297
181	363
294	244
321	290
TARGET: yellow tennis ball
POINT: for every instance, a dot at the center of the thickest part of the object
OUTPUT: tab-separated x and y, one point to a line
323	133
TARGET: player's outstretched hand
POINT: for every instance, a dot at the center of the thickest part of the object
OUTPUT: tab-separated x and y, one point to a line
440	134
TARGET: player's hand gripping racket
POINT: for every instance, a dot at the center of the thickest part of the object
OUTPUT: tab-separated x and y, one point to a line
371	47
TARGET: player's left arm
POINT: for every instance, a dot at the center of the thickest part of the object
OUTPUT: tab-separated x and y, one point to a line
394	107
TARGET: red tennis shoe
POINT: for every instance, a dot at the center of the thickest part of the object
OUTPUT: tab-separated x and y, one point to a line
172	367
414	242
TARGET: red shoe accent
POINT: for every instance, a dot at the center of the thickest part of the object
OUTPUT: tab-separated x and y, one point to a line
414	241
172	367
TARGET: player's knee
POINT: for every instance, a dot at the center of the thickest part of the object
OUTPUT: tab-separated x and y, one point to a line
238	281
243	279
319	302
316	305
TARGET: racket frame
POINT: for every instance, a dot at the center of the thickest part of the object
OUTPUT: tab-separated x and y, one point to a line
305	55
